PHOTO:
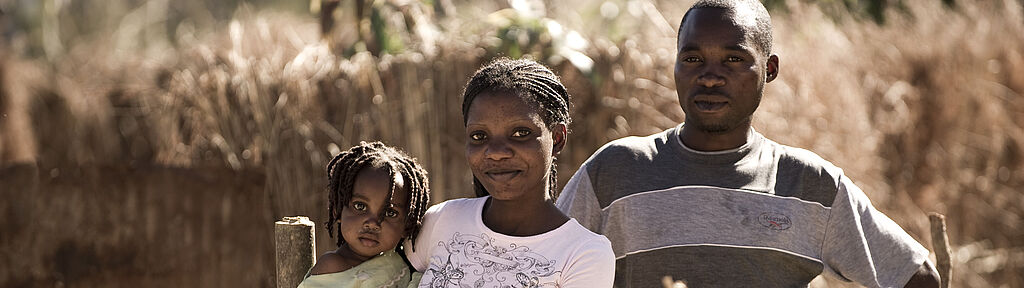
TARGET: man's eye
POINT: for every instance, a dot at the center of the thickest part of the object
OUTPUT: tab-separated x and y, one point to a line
521	133
477	136
359	206
734	59
391	213
691	59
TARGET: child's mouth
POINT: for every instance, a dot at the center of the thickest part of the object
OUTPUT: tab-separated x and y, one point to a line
368	242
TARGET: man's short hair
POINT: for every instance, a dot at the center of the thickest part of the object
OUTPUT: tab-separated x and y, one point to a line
762	26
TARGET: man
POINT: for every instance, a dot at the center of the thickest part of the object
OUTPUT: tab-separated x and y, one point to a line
713	203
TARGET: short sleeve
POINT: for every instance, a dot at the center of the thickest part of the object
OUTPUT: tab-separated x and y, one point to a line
865	246
419	255
579	201
594	265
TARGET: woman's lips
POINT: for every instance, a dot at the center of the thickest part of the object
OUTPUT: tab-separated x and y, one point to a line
503	175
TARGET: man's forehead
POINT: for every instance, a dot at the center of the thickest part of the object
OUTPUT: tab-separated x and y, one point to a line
743	17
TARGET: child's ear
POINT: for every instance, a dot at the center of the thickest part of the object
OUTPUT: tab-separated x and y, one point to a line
558	134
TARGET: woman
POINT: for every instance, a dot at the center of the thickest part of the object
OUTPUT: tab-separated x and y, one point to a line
511	235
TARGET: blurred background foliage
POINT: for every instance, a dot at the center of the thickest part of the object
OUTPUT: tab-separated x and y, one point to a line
153	142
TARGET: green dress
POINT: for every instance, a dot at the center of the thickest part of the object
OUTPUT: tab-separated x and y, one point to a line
387	270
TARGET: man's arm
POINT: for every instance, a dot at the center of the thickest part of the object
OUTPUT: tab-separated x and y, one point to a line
926	276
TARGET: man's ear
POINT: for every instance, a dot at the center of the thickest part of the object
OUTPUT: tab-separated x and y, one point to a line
772	68
558	134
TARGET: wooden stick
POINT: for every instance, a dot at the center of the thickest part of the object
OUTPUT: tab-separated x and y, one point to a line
940	242
294	245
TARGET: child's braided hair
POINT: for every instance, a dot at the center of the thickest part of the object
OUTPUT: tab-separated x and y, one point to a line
534	83
342	172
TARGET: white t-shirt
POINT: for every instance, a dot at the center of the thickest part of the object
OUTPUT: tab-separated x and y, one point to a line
455	249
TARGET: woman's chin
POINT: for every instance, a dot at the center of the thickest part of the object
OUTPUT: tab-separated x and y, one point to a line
504	194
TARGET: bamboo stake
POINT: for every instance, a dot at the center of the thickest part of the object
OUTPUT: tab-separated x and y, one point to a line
940	242
294	245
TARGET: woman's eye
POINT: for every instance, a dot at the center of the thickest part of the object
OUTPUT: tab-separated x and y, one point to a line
391	213
477	136
734	59
521	133
359	206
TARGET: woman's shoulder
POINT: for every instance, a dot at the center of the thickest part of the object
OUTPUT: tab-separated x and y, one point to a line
457	205
584	237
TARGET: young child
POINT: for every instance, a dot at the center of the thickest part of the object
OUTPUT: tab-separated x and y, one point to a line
512	235
377	197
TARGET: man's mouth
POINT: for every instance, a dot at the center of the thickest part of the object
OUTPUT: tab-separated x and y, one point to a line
710	101
710	106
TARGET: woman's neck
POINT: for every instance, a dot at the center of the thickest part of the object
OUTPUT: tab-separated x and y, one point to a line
522	218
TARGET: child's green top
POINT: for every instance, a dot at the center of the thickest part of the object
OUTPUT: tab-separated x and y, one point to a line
387	270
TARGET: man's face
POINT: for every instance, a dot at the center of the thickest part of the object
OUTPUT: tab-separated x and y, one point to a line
719	72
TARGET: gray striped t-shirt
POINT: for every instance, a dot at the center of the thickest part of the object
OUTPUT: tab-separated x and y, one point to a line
761	215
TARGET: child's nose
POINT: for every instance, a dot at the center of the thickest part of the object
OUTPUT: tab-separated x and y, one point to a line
372	222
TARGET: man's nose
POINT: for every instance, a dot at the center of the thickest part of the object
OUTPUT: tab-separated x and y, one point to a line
711	77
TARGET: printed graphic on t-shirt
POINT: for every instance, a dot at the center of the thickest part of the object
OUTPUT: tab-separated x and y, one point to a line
476	261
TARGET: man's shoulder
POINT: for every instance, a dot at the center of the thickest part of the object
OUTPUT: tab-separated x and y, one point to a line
630	148
806	175
803	159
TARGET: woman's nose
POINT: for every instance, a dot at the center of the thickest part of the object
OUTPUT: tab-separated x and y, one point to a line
497	150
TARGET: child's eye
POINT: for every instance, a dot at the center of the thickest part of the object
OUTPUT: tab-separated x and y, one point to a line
477	136
359	206
521	133
391	213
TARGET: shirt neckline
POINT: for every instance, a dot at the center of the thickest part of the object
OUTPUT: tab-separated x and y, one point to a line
478	220
735	155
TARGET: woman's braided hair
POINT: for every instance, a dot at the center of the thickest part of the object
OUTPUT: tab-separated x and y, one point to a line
342	172
534	83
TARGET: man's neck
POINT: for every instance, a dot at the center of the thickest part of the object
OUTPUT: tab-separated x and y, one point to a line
705	141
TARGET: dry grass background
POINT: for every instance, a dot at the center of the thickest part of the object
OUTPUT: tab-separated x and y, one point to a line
923	112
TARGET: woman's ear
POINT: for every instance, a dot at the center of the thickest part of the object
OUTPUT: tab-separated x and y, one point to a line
558	135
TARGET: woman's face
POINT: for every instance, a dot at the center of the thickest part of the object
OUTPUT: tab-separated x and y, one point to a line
509	147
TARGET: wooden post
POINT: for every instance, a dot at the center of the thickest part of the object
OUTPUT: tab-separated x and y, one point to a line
940	242
667	282
295	246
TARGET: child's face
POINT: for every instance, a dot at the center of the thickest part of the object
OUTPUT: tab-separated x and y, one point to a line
509	147
369	223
